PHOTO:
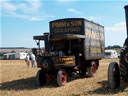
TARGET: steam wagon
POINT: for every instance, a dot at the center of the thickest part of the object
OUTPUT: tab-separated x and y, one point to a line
115	71
73	46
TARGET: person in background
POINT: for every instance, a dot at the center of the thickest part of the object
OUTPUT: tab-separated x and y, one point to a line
33	60
27	59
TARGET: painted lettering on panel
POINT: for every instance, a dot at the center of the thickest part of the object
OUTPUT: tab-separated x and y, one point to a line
66	26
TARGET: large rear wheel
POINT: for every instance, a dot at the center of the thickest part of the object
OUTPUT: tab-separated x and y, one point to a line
124	64
113	75
61	78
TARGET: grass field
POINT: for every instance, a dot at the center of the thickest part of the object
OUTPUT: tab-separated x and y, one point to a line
18	80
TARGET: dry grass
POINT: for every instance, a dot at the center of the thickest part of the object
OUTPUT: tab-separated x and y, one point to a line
18	80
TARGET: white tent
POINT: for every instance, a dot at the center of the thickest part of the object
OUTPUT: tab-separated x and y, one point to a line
20	55
10	56
111	54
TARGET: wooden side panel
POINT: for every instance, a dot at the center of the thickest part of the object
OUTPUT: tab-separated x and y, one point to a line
94	40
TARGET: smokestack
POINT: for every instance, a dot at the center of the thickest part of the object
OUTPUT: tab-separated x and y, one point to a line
126	13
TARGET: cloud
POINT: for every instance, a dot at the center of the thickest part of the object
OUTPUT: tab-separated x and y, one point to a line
119	27
32	5
24	10
38	18
94	18
28	5
27	17
8	6
35	4
73	11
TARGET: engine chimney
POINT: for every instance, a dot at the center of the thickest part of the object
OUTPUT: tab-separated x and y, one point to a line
126	13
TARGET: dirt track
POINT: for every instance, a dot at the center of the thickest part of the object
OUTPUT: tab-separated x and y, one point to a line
18	80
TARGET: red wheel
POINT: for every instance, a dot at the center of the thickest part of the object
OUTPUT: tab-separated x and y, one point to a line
61	78
92	69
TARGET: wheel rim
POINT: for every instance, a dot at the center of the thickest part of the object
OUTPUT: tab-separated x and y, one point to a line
63	78
94	68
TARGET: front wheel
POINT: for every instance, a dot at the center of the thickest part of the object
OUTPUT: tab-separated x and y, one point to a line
61	78
113	75
41	78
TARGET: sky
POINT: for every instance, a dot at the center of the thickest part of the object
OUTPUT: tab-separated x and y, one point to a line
23	19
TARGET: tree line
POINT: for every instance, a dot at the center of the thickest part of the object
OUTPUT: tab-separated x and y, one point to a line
113	47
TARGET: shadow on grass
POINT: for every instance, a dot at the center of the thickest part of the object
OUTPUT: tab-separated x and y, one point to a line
106	90
24	84
30	84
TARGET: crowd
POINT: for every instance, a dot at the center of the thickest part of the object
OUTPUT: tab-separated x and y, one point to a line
30	58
